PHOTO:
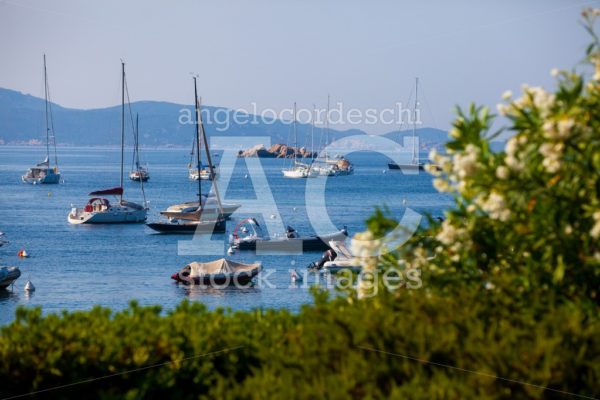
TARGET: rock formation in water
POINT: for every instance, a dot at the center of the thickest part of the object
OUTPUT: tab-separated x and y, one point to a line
276	151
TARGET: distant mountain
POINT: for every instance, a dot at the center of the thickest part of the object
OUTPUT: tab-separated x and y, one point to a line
22	120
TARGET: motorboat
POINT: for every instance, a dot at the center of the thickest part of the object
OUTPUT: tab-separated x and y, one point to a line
100	210
43	173
337	258
248	235
8	275
217	272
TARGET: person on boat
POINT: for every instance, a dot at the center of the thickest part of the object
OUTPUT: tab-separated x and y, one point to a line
328	255
291	233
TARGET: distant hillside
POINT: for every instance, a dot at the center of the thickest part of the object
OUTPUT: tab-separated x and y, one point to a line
22	120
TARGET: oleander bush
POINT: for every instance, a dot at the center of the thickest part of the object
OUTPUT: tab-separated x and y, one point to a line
508	308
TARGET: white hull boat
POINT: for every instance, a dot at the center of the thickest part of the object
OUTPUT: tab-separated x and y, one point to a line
100	211
204	174
210	208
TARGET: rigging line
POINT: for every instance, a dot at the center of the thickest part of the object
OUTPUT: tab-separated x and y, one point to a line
145	368
429	109
471	371
52	124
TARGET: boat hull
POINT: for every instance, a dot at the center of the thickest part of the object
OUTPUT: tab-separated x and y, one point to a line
114	215
406	167
312	243
201	227
50	178
209	211
8	276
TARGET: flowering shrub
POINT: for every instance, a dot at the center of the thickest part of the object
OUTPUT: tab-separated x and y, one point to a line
527	219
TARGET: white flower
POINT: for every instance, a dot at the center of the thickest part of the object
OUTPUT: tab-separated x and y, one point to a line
552	153
565	126
511	158
465	163
449	234
554	72
441	185
502	172
471	208
595	232
455	133
495	206
502	109
568	230
507	95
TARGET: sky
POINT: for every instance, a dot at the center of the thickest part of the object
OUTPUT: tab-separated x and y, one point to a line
274	53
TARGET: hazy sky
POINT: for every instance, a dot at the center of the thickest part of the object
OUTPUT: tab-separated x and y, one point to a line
365	54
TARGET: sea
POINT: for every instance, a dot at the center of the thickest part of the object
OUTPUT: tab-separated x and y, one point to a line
76	267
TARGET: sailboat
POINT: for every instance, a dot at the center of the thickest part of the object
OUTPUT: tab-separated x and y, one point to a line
298	169
138	172
193	221
42	173
100	210
414	163
201	172
327	166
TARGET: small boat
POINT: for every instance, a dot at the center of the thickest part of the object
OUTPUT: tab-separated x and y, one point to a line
138	172
247	235
42	173
8	275
99	210
218	272
337	258
203	175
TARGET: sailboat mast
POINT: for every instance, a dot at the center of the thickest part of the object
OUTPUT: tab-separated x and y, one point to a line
211	169
295	136
414	152
137	141
327	129
197	113
47	122
122	123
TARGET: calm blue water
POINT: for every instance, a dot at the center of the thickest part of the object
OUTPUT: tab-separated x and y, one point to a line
77	267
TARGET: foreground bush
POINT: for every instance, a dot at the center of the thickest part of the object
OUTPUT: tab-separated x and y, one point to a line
509	306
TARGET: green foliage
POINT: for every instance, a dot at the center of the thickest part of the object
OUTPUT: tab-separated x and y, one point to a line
508	308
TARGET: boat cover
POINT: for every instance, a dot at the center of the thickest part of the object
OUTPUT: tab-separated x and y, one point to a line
221	266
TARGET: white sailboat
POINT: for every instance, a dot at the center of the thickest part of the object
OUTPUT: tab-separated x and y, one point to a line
202	172
138	172
100	210
326	166
298	169
414	162
42	173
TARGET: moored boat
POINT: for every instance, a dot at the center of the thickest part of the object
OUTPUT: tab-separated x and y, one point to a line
248	235
43	173
100	210
138	172
8	275
219	272
337	258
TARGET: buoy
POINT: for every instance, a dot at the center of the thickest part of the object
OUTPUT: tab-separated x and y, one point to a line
230	250
29	286
295	208
246	176
49	194
384	171
404	201
273	216
23	253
